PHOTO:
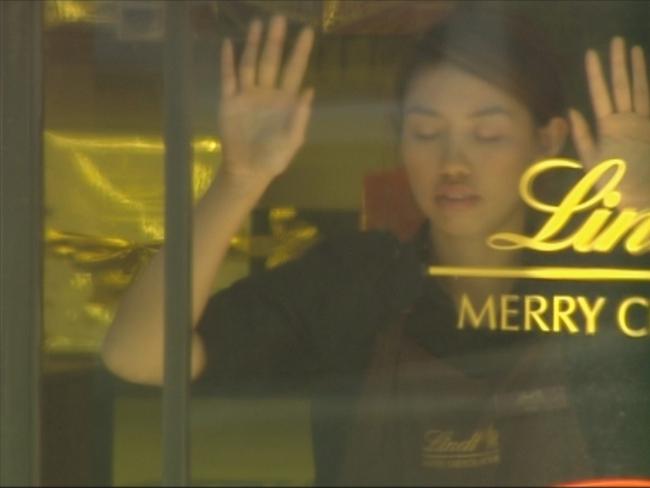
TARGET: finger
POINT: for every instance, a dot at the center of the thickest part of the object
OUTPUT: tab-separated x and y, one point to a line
228	77
640	82
300	117
271	57
294	72
582	138
597	86
248	65
620	79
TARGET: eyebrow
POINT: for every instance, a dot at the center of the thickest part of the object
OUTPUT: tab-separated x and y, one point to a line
483	112
421	110
492	110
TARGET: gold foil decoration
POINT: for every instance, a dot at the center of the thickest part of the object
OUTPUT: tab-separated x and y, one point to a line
58	12
105	266
119	178
337	13
386	17
356	17
104	218
331	11
289	238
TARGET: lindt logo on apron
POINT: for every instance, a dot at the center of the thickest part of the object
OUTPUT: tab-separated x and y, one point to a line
444	449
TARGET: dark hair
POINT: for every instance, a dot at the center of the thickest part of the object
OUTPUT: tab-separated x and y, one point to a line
498	46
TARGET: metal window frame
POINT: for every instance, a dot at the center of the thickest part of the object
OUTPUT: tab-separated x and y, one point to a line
178	244
21	247
21	268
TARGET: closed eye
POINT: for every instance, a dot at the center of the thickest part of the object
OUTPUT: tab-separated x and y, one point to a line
489	137
426	136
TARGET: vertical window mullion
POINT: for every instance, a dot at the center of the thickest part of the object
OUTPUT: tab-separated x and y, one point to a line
21	272
178	242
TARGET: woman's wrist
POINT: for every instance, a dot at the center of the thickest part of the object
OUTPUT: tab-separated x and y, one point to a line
240	185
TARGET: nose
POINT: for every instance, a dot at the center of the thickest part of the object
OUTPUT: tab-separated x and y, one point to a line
455	162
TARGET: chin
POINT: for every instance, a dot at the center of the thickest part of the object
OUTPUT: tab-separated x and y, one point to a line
463	230
476	227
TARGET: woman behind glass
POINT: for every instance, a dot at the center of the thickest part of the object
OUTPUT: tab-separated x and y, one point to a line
400	395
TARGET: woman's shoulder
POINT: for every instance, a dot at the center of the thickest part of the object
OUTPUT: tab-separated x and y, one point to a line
360	247
375	263
349	252
359	263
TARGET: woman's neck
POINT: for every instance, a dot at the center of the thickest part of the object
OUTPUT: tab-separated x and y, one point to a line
473	252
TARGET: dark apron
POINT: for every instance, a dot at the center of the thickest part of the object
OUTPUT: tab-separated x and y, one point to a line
421	422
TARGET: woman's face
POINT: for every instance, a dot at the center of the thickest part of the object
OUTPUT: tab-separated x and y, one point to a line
465	144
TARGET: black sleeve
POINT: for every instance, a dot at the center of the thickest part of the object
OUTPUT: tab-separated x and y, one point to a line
276	330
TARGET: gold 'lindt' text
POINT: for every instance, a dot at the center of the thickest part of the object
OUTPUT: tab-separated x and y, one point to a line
596	193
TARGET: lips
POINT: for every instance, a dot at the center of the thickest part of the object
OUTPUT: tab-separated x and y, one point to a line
456	196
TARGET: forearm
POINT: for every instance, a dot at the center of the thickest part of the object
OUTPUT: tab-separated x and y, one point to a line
262	126
133	347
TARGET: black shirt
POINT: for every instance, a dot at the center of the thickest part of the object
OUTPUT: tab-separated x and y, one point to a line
309	327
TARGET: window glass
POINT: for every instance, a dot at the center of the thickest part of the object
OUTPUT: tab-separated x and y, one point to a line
422	233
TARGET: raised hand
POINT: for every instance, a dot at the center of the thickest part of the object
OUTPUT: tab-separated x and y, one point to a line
622	121
263	114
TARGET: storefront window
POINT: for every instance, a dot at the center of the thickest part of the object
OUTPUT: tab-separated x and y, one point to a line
421	241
